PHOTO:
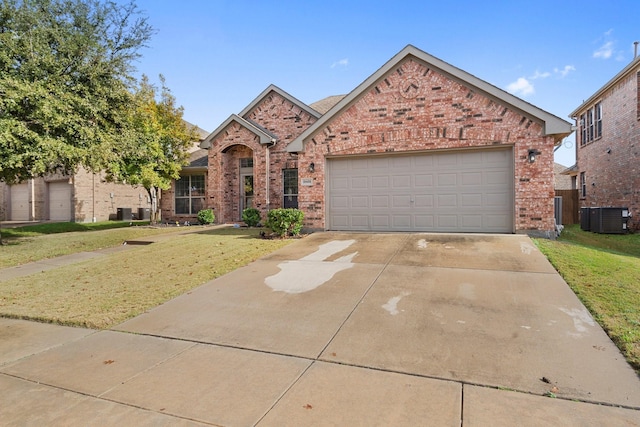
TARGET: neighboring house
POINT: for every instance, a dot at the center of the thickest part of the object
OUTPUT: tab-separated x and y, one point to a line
561	179
82	197
186	196
418	146
608	145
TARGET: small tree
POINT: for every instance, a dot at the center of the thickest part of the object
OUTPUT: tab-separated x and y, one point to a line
157	144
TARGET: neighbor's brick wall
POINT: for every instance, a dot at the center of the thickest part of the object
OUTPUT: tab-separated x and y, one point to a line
414	108
92	197
612	162
281	118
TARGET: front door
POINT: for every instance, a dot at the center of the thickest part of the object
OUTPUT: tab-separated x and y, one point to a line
246	192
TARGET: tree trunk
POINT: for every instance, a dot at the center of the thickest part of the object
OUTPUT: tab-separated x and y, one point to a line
154	216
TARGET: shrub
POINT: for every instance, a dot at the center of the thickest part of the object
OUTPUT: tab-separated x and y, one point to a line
251	217
206	216
285	221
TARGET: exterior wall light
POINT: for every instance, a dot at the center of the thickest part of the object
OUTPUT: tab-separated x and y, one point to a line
532	155
312	167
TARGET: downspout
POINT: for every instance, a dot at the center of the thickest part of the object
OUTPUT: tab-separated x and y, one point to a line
268	164
32	202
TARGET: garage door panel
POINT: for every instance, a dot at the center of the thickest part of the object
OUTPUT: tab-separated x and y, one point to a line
448	201
424	201
401	182
401	221
401	201
423	180
471	200
340	183
380	222
339	202
447	179
382	202
359	202
463	191
359	222
380	182
424	222
359	183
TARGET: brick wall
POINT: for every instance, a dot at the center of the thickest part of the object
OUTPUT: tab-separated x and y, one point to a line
414	108
94	197
612	163
281	118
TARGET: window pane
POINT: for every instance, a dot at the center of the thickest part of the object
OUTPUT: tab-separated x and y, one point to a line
290	181
182	206
197	204
182	187
246	163
197	185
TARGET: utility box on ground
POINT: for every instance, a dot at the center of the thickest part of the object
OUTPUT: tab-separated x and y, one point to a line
585	219
124	214
144	214
609	220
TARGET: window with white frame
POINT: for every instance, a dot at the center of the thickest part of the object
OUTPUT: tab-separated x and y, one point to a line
189	194
583	185
590	123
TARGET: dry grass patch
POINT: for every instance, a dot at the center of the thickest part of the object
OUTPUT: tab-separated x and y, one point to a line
34	247
106	291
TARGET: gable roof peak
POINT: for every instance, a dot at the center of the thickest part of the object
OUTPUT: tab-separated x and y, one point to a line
552	125
273	88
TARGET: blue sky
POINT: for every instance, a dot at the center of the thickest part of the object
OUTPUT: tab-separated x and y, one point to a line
218	55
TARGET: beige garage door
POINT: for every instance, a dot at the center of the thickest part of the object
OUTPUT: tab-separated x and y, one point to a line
457	191
60	201
19	202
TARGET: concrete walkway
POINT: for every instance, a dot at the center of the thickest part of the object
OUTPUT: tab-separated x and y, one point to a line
338	329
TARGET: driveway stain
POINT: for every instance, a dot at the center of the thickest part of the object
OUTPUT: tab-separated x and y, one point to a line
311	271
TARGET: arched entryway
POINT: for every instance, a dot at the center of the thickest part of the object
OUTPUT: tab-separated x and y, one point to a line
238	184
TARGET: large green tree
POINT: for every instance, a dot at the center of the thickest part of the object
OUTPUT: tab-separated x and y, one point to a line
66	70
158	143
66	74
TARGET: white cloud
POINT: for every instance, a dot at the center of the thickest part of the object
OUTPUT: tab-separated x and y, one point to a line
605	51
521	87
342	63
566	70
539	75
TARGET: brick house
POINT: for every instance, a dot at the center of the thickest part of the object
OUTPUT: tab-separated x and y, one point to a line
608	145
420	145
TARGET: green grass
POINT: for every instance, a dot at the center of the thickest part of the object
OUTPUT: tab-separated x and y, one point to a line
105	291
38	242
604	272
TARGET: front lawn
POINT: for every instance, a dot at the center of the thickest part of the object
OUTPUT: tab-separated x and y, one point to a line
604	272
42	241
105	291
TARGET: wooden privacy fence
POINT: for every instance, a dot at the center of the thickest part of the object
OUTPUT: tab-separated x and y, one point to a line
570	206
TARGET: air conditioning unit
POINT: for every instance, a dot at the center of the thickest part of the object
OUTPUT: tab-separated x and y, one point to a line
609	220
585	219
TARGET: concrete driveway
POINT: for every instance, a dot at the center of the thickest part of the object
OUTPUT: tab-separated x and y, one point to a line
345	329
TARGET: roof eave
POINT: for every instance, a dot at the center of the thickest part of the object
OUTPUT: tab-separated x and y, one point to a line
593	98
282	93
265	138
